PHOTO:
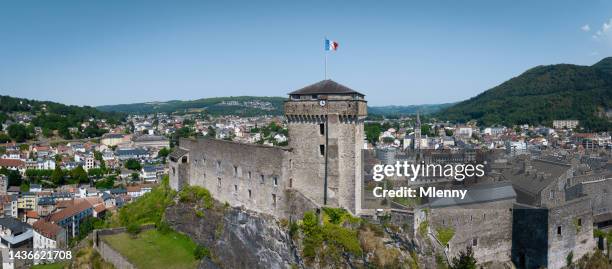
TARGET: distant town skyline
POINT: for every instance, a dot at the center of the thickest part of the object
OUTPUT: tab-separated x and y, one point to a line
399	53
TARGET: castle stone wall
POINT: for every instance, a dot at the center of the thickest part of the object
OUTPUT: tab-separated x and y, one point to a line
574	220
247	175
486	227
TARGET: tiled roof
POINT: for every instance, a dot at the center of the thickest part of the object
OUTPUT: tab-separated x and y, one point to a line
531	184
178	153
32	214
11	163
48	229
14	225
133	188
99	208
325	87
70	211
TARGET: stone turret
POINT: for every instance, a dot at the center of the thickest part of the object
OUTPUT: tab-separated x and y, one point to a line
326	136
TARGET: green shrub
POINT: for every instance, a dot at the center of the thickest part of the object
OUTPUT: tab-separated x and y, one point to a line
149	208
195	194
201	252
336	215
336	238
133	229
163	227
445	234
293	229
423	228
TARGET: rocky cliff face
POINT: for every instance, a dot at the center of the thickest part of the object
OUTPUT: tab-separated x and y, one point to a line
244	239
236	238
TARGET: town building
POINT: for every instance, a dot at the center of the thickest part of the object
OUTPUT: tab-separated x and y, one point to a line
48	236
565	124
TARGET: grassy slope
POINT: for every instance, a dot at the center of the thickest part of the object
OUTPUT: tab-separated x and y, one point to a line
150	249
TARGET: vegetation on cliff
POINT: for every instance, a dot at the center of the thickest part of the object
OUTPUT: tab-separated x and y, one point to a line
324	243
149	208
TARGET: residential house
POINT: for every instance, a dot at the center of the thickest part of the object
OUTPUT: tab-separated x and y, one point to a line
48	236
15	235
71	217
27	201
13	164
148	173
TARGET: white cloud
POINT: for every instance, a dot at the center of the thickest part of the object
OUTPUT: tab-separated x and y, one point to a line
585	28
605	31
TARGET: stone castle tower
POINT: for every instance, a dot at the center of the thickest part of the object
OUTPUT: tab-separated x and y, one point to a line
326	135
321	166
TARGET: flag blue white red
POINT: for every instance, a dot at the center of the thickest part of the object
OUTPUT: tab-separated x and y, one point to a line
330	45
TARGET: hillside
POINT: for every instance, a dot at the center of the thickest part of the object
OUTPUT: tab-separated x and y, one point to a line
53	116
245	106
240	105
407	110
542	94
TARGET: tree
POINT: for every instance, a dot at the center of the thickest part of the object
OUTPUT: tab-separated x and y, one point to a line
211	132
47	132
57	177
58	159
95	172
426	130
4	138
79	175
163	152
372	132
18	132
465	260
132	164
107	183
13	176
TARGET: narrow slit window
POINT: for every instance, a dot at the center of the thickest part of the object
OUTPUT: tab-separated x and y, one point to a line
322	149
322	129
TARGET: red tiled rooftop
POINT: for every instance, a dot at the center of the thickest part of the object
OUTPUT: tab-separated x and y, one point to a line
79	206
48	229
11	163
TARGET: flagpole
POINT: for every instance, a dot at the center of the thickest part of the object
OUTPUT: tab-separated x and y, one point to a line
325	51
325	64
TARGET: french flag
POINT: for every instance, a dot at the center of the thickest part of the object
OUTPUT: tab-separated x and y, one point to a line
331	45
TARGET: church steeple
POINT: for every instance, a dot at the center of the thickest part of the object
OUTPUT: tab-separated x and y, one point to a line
417	132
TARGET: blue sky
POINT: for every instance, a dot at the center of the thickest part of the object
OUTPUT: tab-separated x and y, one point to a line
395	52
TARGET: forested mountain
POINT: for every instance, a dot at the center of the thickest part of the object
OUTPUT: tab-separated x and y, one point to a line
407	110
241	106
543	94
